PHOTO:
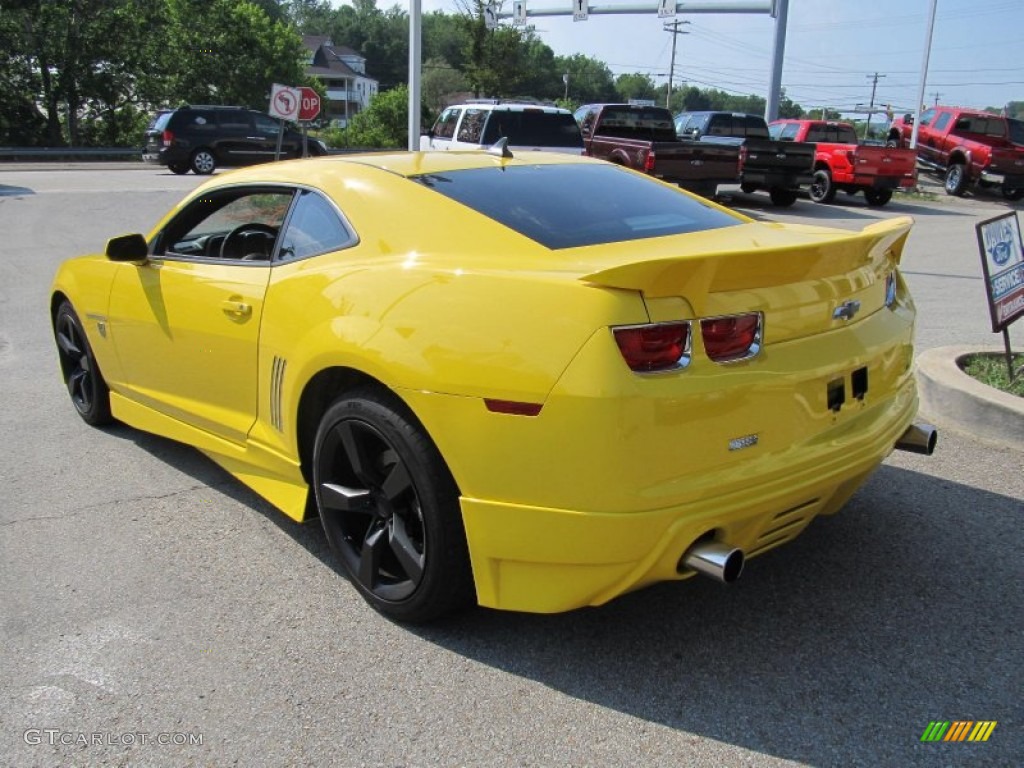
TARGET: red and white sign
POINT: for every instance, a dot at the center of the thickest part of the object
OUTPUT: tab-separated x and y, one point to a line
285	102
310	104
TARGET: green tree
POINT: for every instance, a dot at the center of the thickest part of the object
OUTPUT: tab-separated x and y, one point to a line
232	57
590	80
635	86
383	124
440	82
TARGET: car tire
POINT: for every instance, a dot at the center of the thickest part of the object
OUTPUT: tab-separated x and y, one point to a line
748	189
876	198
956	180
82	377
179	168
822	190
390	509
1013	193
782	198
203	162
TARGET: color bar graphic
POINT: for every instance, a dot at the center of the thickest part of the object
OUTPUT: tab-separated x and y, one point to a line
958	730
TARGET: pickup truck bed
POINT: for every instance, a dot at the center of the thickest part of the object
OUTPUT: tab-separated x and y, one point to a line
643	138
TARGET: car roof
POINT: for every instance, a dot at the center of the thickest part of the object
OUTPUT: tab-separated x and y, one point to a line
506	106
400	163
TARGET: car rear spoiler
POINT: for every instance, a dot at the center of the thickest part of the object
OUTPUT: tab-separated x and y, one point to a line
740	259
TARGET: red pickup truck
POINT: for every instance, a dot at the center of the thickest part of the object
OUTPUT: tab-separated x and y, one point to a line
841	162
644	138
967	146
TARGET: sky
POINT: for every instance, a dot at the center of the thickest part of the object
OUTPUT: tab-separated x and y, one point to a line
833	49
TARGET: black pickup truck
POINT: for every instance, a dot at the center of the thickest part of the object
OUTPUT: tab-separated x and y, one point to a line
781	167
644	138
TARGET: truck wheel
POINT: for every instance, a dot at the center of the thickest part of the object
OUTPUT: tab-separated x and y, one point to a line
956	180
783	198
877	197
748	189
822	189
1013	193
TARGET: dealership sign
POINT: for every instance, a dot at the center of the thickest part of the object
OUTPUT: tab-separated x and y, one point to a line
1002	258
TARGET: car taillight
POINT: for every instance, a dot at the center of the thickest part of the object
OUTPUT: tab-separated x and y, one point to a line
743	157
655	346
649	163
168	138
727	339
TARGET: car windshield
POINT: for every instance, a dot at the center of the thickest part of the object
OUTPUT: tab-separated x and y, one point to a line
533	128
566	206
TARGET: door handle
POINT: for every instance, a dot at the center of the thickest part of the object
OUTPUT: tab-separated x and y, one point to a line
236	308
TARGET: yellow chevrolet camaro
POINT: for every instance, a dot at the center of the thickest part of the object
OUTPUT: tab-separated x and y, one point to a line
532	382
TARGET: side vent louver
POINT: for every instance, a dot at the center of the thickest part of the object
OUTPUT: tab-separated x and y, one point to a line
276	384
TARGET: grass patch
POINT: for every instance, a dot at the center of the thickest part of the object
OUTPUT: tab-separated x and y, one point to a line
991	369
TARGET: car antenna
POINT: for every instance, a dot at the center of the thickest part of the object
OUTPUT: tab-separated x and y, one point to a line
500	148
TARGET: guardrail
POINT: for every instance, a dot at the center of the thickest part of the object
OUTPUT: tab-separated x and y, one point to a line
69	153
43	154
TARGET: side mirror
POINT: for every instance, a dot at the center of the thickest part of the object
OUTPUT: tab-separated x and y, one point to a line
127	248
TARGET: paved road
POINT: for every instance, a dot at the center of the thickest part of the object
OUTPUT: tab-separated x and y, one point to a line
145	593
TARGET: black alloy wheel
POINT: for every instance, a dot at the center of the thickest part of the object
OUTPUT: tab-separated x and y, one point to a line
86	386
822	189
390	509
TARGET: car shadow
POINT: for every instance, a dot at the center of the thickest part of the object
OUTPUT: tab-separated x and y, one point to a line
837	649
7	190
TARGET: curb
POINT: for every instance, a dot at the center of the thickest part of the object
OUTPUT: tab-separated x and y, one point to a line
957	401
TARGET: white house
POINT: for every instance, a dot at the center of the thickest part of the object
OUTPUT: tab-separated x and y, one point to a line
343	73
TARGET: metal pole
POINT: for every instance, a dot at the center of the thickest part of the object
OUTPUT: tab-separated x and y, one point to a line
924	74
771	110
673	27
415	71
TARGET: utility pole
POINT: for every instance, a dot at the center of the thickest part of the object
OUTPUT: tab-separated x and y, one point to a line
673	27
871	105
936	94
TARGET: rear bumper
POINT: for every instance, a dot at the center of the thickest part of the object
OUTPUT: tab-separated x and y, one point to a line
882	182
771	179
548	560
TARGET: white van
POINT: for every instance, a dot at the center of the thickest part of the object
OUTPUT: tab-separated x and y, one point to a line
478	125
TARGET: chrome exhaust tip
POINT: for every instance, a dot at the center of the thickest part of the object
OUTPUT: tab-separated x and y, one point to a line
919	438
718	560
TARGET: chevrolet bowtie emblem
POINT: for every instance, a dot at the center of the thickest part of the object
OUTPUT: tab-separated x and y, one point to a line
846	310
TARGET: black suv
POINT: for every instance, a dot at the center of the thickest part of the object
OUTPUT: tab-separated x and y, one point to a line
201	138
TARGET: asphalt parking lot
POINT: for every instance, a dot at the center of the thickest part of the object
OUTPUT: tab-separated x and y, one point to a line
156	612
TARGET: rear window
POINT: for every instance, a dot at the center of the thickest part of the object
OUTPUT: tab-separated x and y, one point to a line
533	128
738	125
637	123
566	206
160	121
